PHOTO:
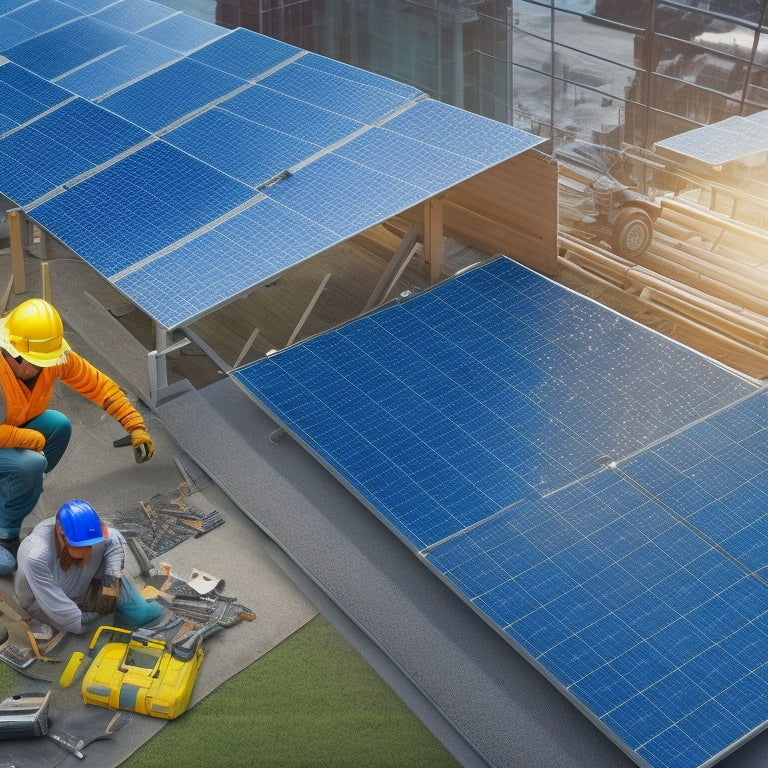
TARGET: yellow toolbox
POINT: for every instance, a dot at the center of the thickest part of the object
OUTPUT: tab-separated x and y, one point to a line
140	674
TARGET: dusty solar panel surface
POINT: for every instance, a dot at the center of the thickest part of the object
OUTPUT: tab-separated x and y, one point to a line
595	491
233	155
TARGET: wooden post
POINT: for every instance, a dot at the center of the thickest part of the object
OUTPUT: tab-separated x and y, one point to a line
17	252
433	237
45	281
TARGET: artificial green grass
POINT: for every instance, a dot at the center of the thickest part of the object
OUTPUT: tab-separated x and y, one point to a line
311	701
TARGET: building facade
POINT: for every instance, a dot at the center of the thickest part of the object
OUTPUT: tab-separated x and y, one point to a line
609	71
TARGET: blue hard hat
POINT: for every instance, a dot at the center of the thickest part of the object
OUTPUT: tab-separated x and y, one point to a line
80	523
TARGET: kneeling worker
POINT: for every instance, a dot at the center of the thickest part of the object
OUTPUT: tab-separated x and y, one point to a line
32	437
59	560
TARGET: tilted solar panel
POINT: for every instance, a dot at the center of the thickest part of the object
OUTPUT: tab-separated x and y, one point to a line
246	113
111	72
255	245
183	33
39	157
57	52
511	433
245	54
163	97
24	96
243	149
134	15
133	197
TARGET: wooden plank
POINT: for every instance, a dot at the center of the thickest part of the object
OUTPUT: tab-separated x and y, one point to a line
707	341
394	269
716	220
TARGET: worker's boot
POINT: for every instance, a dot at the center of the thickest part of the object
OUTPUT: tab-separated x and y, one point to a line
12	547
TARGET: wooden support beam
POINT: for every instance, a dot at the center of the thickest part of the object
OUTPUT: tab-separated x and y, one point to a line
246	347
392	273
45	282
17	252
433	237
309	308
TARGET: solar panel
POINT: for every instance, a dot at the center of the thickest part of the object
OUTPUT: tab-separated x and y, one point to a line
12	33
291	116
242	251
736	138
245	150
89	6
42	15
516	408
245	54
359	76
166	96
461	418
344	196
111	72
183	33
6	6
140	211
460	132
431	169
357	101
24	96
134	15
638	617
65	48
44	147
246	113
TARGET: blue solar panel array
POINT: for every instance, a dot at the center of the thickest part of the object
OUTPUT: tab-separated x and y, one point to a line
238	119
595	491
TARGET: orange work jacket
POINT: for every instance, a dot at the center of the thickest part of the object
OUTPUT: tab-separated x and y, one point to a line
19	404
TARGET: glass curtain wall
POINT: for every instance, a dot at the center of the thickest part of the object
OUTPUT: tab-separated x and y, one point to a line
606	71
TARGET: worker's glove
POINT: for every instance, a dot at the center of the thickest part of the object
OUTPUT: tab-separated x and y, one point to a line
89	617
110	581
30	439
142	445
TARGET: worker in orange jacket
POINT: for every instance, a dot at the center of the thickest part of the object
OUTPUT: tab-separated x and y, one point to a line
33	438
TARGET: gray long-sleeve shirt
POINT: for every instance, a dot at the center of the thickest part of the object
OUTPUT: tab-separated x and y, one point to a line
46	590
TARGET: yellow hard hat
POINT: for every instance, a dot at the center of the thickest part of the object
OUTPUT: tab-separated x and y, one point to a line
34	330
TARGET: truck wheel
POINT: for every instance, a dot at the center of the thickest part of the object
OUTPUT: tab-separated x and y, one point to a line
632	232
